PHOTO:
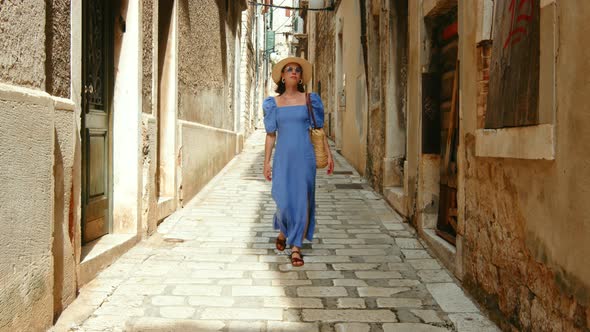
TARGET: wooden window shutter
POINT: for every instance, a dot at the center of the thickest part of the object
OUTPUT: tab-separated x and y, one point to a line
514	70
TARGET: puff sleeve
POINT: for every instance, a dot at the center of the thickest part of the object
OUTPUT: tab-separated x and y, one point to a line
270	114
318	109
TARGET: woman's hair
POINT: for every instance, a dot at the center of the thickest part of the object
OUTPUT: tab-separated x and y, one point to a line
281	86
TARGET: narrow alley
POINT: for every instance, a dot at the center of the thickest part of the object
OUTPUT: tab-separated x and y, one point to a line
212	266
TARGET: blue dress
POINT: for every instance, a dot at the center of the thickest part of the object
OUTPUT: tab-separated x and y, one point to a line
294	169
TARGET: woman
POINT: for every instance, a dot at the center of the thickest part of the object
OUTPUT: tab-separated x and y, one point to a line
294	165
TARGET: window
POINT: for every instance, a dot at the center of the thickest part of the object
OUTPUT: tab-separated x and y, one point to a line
513	97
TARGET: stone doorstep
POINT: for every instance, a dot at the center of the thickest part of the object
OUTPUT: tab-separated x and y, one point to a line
443	250
397	198
100	253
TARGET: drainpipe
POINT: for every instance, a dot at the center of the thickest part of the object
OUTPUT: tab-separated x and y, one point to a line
364	42
364	45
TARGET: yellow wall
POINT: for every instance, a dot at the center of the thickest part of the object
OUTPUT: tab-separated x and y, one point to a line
354	125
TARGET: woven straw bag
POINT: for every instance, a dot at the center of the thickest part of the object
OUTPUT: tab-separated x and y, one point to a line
318	137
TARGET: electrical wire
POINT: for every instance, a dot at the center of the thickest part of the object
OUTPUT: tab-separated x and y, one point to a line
292	8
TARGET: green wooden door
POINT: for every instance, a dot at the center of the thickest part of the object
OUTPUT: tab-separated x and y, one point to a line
96	140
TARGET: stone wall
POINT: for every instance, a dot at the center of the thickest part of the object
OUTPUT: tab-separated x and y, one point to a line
525	251
22	41
203	64
58	30
324	67
149	17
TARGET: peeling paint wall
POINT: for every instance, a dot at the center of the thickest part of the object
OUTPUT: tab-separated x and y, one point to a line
526	228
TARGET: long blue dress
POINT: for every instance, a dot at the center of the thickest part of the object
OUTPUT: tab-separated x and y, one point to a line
294	168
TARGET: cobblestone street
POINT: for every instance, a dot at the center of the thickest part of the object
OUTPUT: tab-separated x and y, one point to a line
212	266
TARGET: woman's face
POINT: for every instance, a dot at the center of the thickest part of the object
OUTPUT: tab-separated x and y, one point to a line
291	74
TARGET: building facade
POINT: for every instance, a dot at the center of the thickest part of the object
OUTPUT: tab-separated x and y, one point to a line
114	115
468	117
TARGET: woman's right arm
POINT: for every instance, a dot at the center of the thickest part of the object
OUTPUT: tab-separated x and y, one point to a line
268	146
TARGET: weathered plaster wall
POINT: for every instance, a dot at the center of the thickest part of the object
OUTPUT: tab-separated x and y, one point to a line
414	108
64	263
354	138
22	41
149	201
149	18
202	67
525	248
26	209
205	151
58	34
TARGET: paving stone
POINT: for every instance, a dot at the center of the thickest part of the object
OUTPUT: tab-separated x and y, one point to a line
352	327
322	291
141	289
168	300
246	326
427	316
283	302
412	327
408	243
257	291
326	259
203	301
306	267
235	282
378	275
197	290
289	282
354	266
248	266
451	298
467	322
324	274
242	314
430	276
274	275
348	315
425	264
351	303
349	282
177	312
156	324
218	274
360	252
399	303
404	283
415	254
292	327
380	291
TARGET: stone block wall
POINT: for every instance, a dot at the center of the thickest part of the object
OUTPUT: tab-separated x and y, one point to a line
324	67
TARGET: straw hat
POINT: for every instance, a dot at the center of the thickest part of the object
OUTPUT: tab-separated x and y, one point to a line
305	65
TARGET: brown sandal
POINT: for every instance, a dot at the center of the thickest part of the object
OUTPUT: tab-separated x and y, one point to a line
297	261
281	244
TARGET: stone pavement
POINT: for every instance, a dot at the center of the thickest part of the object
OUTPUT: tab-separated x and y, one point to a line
212	266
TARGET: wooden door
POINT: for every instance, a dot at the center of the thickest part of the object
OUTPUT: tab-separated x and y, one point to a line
96	140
